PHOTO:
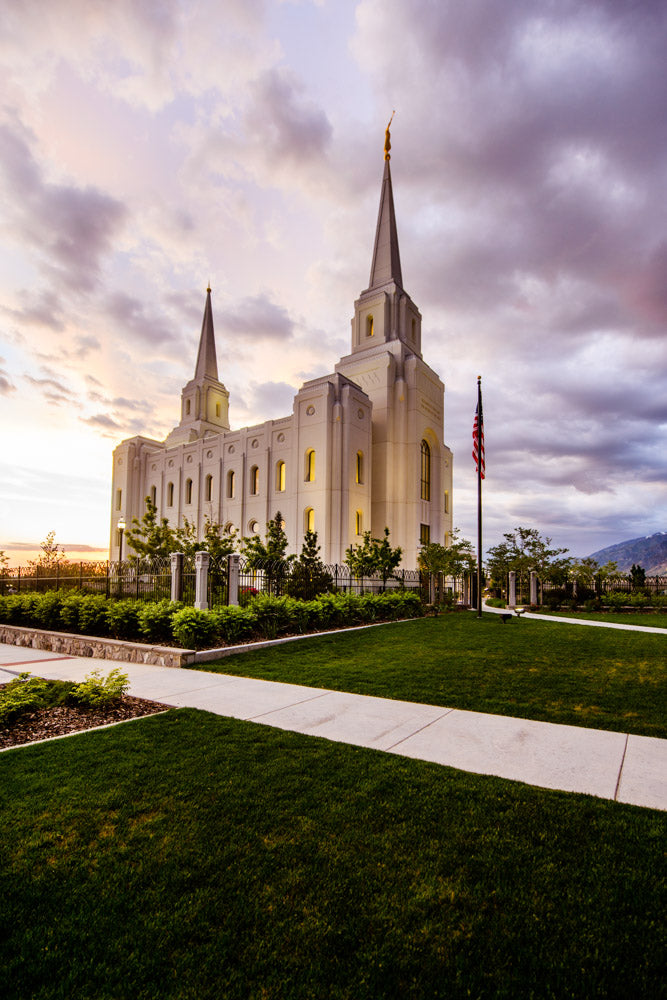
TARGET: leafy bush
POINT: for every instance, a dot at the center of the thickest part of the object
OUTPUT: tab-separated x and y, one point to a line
70	612
496	602
95	690
234	625
155	620
47	608
123	618
193	628
25	694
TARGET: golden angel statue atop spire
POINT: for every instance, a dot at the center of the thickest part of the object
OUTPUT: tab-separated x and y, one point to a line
387	138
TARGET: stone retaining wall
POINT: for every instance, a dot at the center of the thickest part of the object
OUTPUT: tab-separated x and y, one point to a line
96	648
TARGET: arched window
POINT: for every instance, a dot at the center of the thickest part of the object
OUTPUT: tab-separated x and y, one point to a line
231	484
359	523
369	326
188	491
310	466
309	519
154	495
254	480
426	472
280	477
170	494
359	472
208	487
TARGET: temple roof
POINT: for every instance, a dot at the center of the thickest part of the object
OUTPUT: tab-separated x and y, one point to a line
386	265
207	362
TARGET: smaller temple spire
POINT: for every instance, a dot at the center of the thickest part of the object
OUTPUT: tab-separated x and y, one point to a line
207	362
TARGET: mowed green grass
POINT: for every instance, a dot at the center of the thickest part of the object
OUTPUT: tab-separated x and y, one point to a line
189	856
647	619
601	678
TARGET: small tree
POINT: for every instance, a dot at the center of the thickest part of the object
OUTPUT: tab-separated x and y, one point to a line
308	577
637	577
523	551
270	554
150	537
373	556
453	560
219	541
52	557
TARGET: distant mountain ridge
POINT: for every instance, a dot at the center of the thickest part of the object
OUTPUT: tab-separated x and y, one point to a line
649	552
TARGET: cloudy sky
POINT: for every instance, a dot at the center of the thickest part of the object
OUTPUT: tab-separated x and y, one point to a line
147	148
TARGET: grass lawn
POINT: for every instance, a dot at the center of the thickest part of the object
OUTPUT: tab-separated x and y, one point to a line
646	619
189	856
601	678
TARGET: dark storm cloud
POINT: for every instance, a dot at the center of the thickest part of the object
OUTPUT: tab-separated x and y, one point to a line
71	229
257	318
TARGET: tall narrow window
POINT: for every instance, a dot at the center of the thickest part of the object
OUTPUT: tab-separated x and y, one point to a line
310	466
280	477
254	480
309	519
154	495
446	501
370	330
170	494
359	472
426	472
188	491
119	499
424	534
187	407
217	409
358	523
231	484
208	487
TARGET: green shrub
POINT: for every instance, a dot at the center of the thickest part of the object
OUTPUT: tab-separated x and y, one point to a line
122	618
93	615
155	618
46	610
29	694
496	602
234	625
193	628
70	612
95	690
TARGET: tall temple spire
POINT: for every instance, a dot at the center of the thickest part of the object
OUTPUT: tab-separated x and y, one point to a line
207	362
386	265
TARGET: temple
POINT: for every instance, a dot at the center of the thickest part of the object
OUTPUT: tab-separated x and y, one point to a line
363	448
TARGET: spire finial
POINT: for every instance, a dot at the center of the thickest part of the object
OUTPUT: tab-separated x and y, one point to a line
208	286
387	138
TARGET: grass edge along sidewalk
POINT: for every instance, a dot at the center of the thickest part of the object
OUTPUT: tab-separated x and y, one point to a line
191	856
597	678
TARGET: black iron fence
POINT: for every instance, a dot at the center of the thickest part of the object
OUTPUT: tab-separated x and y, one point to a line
151	580
141	579
599	587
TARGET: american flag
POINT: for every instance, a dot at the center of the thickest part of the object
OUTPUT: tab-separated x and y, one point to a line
478	437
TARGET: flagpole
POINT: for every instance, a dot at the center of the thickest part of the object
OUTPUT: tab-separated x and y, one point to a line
480	432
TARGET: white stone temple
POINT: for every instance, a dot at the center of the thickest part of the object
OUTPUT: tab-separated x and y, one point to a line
362	449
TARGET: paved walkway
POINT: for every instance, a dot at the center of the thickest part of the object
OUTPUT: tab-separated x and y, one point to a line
629	769
559	619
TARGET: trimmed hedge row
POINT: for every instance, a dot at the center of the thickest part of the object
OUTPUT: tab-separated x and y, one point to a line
169	623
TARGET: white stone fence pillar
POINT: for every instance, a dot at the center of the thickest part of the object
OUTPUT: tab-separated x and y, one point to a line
233	571
176	576
202	560
511	601
533	587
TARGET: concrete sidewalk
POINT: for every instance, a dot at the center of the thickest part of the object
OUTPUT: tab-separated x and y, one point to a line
630	769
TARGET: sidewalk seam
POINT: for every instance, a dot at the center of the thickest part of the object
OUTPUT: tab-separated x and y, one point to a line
420	730
620	770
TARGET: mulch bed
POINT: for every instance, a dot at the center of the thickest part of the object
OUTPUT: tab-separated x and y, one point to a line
45	723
